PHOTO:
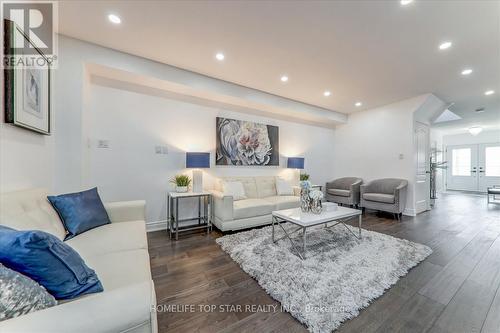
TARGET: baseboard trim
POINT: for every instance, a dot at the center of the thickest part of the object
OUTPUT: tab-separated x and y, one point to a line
410	212
156	225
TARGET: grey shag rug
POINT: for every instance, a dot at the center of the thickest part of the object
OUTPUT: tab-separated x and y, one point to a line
340	275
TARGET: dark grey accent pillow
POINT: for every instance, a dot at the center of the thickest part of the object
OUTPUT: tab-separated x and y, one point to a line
20	295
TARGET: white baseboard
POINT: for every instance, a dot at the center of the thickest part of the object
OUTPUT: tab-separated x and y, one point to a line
410	212
156	225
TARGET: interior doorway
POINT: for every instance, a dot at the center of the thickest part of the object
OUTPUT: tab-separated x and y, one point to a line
473	167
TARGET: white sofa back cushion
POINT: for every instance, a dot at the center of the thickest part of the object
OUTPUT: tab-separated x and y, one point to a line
266	186
283	187
248	184
30	210
234	189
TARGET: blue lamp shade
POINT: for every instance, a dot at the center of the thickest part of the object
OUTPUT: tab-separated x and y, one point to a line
295	163
197	160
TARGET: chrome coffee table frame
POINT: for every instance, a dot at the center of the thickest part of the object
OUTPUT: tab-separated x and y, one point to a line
344	214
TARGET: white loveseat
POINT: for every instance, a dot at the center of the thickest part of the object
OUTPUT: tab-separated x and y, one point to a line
118	252
253	211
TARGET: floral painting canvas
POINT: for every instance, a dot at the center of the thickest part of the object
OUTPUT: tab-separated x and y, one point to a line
246	143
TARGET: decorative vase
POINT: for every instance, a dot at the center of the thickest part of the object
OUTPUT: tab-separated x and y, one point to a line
181	189
316	206
305	201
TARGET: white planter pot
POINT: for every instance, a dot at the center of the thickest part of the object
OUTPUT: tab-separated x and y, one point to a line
181	189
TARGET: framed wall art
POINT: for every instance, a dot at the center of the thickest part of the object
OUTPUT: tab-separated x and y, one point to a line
246	143
27	86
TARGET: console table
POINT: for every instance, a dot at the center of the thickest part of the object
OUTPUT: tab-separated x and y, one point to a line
204	217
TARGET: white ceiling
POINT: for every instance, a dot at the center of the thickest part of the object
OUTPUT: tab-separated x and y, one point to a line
376	52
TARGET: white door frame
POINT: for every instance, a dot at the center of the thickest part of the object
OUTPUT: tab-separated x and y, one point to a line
422	162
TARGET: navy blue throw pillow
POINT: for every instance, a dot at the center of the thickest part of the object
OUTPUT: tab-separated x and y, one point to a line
80	211
47	260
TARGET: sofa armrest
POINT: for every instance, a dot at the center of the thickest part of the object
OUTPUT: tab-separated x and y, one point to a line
223	205
363	188
117	310
355	187
330	185
123	211
400	195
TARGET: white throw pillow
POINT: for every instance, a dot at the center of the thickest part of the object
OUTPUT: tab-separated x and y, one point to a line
283	187
234	189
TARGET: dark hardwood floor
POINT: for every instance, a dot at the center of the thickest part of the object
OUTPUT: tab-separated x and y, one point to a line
456	289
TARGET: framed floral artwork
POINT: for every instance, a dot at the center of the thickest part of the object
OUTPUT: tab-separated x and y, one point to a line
27	87
246	143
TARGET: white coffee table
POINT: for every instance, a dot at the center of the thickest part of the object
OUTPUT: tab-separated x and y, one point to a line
339	215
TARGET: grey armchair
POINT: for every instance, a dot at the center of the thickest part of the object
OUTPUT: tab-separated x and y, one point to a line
388	195
344	190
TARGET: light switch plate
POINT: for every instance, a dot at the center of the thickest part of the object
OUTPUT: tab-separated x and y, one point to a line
102	143
163	150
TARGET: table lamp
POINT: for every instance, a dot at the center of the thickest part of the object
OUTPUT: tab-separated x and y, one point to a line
197	161
295	163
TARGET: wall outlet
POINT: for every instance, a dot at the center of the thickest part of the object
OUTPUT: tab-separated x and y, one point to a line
401	156
102	143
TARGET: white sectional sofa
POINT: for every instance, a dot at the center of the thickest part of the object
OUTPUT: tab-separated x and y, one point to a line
118	252
254	211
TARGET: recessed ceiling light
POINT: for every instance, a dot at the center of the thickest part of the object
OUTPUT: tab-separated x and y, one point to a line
406	2
114	19
358	104
284	78
475	130
327	93
445	45
466	71
220	56
489	92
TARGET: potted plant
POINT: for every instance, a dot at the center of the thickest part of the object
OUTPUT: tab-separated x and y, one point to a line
304	176
181	182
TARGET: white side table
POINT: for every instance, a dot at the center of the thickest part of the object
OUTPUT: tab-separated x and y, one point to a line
204	220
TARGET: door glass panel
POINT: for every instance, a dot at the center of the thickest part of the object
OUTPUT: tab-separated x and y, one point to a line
492	161
461	162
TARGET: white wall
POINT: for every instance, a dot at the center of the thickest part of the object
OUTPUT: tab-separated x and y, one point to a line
26	157
467	138
370	144
135	123
72	94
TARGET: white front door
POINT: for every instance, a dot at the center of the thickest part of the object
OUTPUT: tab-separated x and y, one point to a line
473	167
422	179
462	168
488	166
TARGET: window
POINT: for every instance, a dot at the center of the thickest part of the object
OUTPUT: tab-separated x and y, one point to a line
492	161
461	159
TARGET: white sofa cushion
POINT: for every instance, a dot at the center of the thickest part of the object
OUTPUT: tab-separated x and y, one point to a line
251	207
234	189
30	210
248	184
266	186
111	237
283	187
121	310
120	269
284	201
